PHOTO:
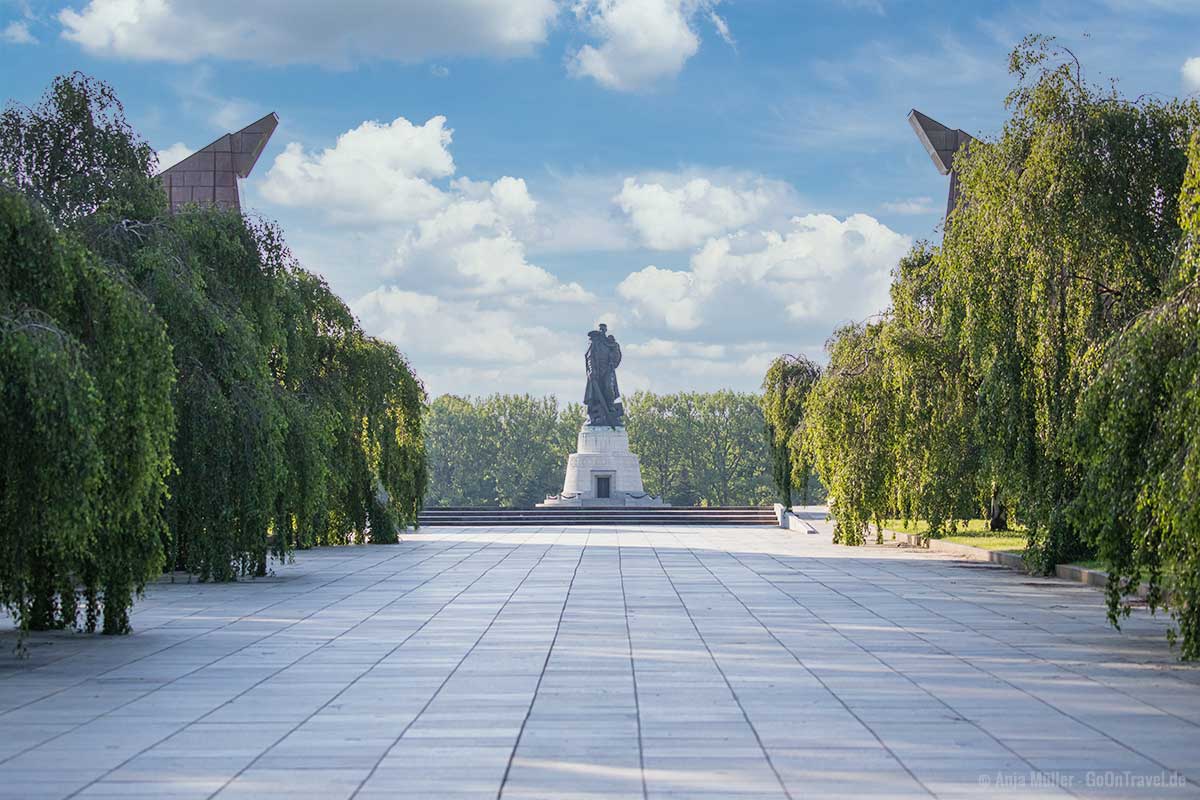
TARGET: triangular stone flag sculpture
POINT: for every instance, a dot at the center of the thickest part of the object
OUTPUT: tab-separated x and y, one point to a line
209	175
942	144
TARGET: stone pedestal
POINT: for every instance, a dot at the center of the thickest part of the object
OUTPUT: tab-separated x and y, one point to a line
602	465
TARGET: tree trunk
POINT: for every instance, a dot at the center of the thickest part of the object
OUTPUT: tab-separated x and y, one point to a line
42	609
998	514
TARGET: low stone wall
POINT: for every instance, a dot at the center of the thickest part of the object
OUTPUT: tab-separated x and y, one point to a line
789	521
1067	572
1091	577
1011	560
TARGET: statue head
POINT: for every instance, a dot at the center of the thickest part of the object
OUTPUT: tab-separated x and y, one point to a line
603	329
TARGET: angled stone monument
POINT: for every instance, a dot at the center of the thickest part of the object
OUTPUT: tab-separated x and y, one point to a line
602	472
210	175
942	143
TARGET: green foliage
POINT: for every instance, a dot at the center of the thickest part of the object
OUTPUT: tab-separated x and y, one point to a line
661	428
530	439
850	432
295	429
1067	226
456	441
935	452
75	154
1045	356
894	424
49	413
385	405
204	272
86	423
504	450
786	386
140	351
701	448
1138	441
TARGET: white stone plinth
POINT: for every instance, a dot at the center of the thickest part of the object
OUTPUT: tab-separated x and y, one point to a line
602	452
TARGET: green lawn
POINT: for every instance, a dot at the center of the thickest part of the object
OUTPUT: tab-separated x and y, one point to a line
1009	542
969	531
975	533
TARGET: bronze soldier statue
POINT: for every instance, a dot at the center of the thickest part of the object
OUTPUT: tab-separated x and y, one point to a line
616	362
601	396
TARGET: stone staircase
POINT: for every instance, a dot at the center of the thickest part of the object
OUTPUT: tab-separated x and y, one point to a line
717	515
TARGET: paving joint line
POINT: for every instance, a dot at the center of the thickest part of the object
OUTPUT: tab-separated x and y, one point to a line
287	666
637	708
958	714
939	648
1009	683
545	664
1005	681
151	691
378	661
899	761
189	639
733	693
471	649
1019	648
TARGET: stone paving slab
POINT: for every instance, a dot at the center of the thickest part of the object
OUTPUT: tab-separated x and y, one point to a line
630	662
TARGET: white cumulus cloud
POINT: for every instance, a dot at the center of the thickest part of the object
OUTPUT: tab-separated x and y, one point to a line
674	348
665	294
170	156
286	32
375	173
465	346
474	242
430	325
674	213
820	270
462	236
471	279
1191	74
639	42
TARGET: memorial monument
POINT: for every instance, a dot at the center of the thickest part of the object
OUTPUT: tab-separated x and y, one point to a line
602	472
209	176
942	143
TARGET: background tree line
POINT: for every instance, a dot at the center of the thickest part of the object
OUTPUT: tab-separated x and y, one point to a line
511	450
176	392
1044	360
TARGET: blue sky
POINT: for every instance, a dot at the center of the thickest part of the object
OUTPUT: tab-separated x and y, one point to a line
484	180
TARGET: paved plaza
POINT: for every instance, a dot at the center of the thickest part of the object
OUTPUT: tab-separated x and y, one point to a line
607	663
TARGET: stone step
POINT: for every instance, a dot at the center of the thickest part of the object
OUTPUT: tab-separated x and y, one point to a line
602	510
734	515
548	520
474	523
689	509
